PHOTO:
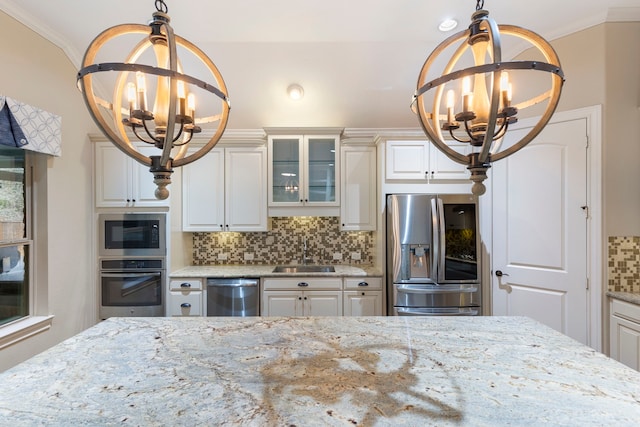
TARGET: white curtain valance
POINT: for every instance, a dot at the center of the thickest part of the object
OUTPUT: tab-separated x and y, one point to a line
29	128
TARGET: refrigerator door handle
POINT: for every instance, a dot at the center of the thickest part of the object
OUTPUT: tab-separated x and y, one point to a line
435	221
439	237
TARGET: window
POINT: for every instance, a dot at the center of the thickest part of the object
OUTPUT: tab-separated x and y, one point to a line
15	235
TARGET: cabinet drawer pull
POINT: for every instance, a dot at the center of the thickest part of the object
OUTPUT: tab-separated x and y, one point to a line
185	305
185	285
303	284
363	284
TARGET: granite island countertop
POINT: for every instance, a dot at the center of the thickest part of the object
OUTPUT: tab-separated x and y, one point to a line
366	371
248	270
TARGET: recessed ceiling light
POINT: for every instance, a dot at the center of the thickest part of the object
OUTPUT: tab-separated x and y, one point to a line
295	92
448	25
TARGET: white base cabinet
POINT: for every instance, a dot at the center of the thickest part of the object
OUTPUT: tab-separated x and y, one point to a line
363	296
322	296
186	298
625	333
302	296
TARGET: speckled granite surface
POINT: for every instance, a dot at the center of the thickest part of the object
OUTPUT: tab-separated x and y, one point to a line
633	298
267	271
376	371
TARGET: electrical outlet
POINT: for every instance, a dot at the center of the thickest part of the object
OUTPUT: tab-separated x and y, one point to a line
355	256
248	256
223	256
337	256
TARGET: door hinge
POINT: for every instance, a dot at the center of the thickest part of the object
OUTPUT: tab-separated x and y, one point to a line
587	283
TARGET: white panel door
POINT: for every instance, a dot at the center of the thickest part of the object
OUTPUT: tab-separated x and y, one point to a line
246	189
203	193
322	303
540	229
407	160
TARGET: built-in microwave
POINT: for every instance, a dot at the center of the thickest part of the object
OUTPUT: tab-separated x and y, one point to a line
132	234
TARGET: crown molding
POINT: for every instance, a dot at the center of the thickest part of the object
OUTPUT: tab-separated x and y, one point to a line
41	28
623	14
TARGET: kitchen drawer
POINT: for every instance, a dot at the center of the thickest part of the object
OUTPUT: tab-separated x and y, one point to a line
363	283
625	310
185	303
186	284
301	283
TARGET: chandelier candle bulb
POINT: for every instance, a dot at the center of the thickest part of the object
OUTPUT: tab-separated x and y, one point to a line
450	104
141	87
181	98
191	107
505	89
131	97
467	97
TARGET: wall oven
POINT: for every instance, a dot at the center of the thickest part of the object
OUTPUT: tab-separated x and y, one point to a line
132	287
132	234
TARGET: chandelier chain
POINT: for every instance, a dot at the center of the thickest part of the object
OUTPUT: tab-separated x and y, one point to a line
161	6
479	4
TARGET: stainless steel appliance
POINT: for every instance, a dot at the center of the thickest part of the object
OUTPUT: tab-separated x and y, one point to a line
433	249
132	234
132	287
233	297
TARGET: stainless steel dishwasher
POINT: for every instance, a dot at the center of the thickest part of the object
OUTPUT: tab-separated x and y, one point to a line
233	297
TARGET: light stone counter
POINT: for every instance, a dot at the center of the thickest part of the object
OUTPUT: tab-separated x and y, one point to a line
222	271
630	297
375	371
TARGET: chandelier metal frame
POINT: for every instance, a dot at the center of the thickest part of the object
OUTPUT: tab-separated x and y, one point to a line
117	122
485	137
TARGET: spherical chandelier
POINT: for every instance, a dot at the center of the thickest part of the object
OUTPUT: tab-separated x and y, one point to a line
153	70
472	100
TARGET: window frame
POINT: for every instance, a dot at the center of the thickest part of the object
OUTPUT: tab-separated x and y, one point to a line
37	320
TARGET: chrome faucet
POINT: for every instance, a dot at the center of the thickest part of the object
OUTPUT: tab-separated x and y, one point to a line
304	251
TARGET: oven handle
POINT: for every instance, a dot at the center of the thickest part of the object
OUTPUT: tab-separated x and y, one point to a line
153	273
437	289
137	287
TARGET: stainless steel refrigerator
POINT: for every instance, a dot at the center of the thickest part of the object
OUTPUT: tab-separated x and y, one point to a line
433	251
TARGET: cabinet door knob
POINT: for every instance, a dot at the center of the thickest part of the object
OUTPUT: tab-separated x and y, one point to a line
300	298
363	293
185	305
185	285
303	284
305	297
363	284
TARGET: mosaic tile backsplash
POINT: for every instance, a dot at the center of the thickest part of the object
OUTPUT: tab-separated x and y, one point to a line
283	244
624	264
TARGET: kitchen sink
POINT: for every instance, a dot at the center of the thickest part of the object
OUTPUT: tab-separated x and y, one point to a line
304	269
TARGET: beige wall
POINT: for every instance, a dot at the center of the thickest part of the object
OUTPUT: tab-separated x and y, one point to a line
622	130
38	73
602	67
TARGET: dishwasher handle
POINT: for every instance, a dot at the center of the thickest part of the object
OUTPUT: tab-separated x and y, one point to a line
233	283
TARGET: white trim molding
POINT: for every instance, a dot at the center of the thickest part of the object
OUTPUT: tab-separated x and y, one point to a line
23	329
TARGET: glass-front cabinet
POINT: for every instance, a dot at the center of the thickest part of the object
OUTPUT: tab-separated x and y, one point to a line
304	170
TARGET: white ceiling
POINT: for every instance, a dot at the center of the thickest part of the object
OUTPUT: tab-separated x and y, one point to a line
358	60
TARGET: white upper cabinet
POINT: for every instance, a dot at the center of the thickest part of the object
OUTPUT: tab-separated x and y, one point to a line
121	181
359	188
304	171
226	190
422	161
